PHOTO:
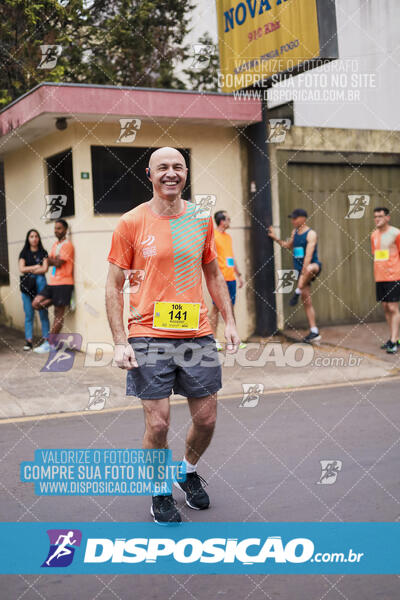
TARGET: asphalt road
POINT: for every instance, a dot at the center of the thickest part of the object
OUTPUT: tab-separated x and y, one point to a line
263	465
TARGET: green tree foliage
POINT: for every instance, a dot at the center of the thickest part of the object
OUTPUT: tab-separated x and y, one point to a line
24	26
139	42
115	42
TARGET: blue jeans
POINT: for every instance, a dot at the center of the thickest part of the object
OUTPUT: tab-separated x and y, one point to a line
30	313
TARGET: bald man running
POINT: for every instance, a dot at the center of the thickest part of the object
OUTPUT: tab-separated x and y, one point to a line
170	346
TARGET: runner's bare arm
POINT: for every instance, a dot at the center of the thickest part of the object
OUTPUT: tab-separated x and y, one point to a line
284	244
397	242
219	293
55	261
41	269
311	243
36	269
22	267
238	275
124	355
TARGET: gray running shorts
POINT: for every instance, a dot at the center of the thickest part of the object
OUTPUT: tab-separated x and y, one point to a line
186	366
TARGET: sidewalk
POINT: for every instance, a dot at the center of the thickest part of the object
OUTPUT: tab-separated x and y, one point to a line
365	338
345	354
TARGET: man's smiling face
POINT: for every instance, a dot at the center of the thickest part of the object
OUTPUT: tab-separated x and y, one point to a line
168	173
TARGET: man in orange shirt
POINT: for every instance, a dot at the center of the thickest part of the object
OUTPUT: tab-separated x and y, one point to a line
227	264
160	248
385	245
59	289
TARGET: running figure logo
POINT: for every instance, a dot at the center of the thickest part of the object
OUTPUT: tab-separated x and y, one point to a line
202	54
287	279
62	547
97	397
278	129
54	206
330	470
61	356
251	394
50	54
129	129
133	279
357	205
204	203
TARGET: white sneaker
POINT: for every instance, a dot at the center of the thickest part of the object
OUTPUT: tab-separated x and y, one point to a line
43	348
219	346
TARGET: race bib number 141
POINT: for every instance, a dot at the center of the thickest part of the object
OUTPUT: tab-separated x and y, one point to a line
176	315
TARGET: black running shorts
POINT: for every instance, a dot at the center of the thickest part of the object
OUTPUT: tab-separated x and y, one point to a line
59	294
388	291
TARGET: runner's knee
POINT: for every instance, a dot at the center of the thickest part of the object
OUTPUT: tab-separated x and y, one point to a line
206	421
157	426
392	307
36	304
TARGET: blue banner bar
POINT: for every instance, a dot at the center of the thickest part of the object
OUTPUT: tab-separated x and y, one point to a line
200	548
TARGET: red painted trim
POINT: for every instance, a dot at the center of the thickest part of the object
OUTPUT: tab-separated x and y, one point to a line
148	104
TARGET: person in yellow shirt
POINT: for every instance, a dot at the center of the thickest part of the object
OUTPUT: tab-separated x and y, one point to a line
227	265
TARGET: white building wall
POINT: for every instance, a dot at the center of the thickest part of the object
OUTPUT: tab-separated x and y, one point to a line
216	168
366	96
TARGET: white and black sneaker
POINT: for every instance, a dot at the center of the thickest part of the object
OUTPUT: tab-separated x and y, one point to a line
163	510
195	495
311	337
28	345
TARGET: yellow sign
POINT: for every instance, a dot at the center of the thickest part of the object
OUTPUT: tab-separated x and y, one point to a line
381	255
176	315
260	38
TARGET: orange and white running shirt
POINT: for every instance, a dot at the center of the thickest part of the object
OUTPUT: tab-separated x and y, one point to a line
162	257
226	262
386	251
63	275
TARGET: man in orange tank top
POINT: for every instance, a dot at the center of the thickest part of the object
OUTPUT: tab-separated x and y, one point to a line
385	245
